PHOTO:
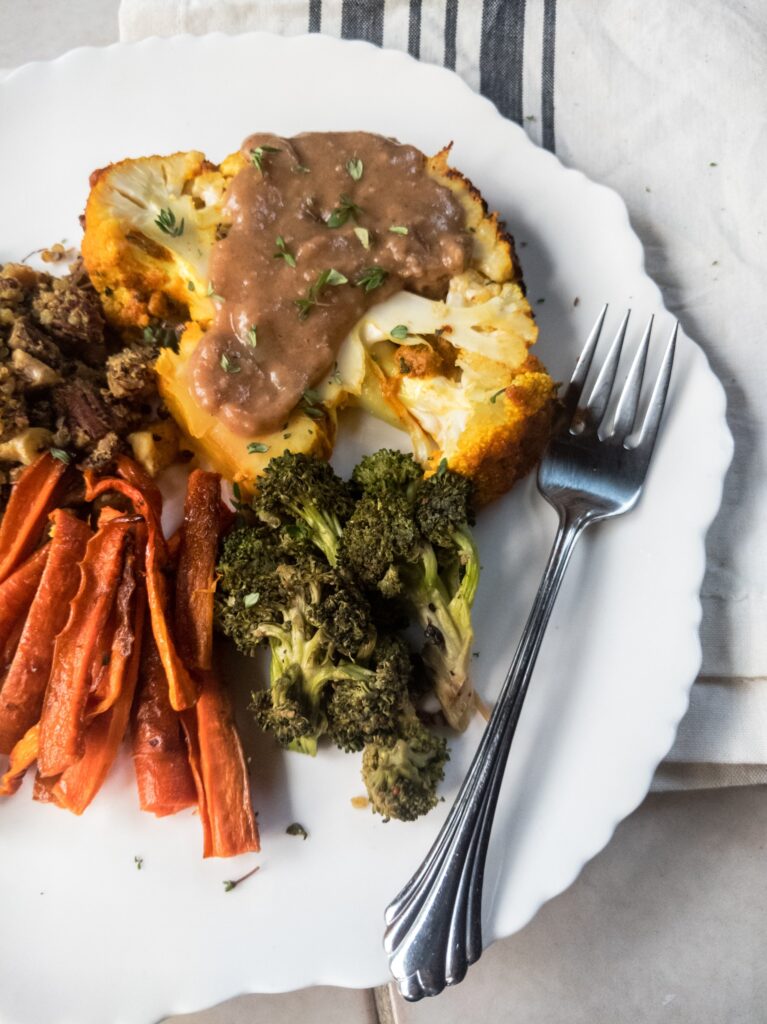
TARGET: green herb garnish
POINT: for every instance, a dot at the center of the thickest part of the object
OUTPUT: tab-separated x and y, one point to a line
372	278
139	862
328	278
227	365
500	391
400	332
283	254
257	448
258	153
166	222
61	455
442	467
346	208
312	403
232	883
355	168
210	294
253	336
364	236
297	830
250	599
398	229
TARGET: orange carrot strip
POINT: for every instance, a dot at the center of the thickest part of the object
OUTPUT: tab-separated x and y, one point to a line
62	720
31	500
218	764
163	775
196	573
80	783
138	477
121	640
21	697
23	755
16	595
181	686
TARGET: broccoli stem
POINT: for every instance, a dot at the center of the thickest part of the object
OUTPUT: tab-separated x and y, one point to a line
324	527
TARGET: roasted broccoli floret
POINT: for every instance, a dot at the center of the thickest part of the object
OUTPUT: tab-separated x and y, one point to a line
302	489
402	772
365	705
409	536
315	620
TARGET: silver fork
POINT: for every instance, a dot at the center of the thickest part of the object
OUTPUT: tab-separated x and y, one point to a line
589	472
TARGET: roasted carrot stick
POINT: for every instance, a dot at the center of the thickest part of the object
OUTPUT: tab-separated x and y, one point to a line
62	719
21	696
78	785
196	573
25	517
181	686
16	595
137	477
110	681
23	755
221	777
163	775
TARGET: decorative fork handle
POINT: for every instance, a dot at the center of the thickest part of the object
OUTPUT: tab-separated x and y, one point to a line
434	926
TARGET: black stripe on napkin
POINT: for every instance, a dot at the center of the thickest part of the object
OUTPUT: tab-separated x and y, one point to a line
414	29
451	26
547	74
315	16
363	19
501	53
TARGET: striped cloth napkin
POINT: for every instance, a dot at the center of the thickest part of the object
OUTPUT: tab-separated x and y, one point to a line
665	103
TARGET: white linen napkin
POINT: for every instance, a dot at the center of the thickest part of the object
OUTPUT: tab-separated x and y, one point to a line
665	103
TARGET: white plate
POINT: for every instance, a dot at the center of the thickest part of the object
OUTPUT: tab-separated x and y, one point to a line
86	937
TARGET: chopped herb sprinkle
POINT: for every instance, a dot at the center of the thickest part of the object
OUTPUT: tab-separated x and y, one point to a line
228	365
355	168
297	830
400	332
61	455
232	883
339	216
328	278
253	336
283	253
442	468
398	229
257	448
364	237
371	278
258	153
166	222
250	599
493	398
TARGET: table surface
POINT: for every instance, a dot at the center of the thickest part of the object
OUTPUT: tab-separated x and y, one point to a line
665	925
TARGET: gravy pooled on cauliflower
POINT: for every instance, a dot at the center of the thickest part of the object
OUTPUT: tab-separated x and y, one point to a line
323	226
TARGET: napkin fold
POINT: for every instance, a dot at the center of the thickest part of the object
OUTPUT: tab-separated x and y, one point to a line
665	104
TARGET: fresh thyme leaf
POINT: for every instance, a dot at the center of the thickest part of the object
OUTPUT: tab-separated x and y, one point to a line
346	208
398	229
297	830
253	336
139	862
61	455
257	447
258	153
190	286
372	278
493	398
286	436
442	468
312	397
400	332
210	294
331	277
335	377
355	168
364	236
283	253
232	883
227	365
301	168
250	599
166	222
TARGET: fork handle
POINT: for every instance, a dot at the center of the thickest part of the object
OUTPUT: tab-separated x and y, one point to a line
434	925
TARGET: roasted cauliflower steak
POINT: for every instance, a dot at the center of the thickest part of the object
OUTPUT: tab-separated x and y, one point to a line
455	373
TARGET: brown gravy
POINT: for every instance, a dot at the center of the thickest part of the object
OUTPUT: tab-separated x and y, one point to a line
323	226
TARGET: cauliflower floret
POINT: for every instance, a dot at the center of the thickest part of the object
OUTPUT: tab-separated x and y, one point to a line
149	228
